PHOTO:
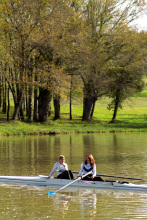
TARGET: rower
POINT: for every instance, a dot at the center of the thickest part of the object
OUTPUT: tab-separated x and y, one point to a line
62	169
87	166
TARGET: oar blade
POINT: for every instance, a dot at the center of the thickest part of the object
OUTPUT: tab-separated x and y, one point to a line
51	193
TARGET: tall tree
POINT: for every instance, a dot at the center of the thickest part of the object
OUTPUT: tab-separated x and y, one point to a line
52	47
20	20
105	22
128	70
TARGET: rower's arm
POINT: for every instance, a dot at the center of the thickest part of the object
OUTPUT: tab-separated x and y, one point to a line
53	170
81	171
94	170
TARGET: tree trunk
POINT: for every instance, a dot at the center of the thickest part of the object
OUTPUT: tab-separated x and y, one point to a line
93	107
87	105
49	111
87	102
21	113
115	111
18	106
43	104
70	107
70	104
4	99
35	116
8	105
117	102
20	88
57	106
26	102
1	85
30	106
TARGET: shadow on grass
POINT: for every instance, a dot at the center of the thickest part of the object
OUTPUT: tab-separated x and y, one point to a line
135	122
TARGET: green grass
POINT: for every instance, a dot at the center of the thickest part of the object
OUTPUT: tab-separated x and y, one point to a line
132	118
141	94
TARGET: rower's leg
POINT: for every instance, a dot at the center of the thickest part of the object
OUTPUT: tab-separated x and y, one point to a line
98	178
67	174
70	174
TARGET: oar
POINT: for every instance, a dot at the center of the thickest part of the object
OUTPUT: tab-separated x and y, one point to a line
51	193
123	177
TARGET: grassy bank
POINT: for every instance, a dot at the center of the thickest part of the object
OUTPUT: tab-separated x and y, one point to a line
132	118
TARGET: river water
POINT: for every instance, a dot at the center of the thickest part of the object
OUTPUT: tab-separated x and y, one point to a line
123	154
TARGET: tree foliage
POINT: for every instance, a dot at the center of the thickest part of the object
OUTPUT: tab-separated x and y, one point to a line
43	42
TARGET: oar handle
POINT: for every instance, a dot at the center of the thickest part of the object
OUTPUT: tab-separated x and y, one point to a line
51	193
68	184
73	181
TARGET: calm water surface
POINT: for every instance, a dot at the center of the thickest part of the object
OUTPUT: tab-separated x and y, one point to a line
115	154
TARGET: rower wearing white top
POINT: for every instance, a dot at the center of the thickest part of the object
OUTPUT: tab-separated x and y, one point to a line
62	169
87	166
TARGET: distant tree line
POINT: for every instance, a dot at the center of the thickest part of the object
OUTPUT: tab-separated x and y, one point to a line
47	45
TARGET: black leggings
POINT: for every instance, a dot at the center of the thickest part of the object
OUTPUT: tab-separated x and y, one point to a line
96	178
67	174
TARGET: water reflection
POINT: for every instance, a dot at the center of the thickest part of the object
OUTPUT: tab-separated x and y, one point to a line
87	200
88	203
26	202
124	153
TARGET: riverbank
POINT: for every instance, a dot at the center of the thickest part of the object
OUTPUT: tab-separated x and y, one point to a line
132	118
22	128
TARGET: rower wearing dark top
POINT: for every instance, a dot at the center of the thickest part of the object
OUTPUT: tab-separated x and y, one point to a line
89	165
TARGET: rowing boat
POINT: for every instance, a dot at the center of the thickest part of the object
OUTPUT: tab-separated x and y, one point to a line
54	182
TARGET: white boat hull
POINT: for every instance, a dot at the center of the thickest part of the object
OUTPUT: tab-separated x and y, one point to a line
54	182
